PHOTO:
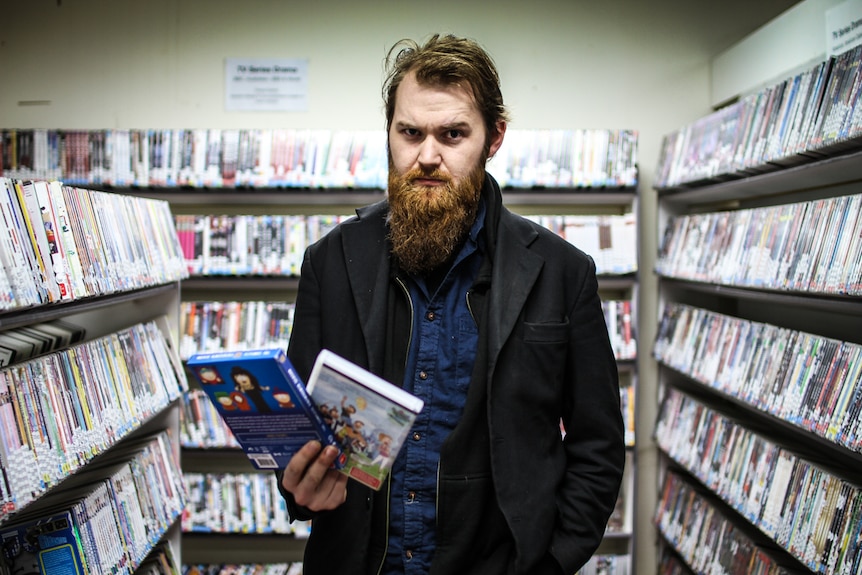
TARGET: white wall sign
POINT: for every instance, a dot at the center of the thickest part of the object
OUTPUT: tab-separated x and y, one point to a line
269	85
843	27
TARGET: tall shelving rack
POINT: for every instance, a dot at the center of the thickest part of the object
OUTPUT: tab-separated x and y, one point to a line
71	456
760	344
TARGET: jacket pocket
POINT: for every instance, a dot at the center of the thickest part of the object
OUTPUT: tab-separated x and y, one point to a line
556	332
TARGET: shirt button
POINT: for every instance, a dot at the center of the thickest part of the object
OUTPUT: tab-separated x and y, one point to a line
416	436
430	316
411	497
408	554
423	375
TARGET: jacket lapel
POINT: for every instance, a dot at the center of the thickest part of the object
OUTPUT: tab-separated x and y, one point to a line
366	252
516	268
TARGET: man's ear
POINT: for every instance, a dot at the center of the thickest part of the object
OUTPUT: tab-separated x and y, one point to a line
497	138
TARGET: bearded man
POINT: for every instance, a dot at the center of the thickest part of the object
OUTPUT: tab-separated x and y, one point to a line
495	322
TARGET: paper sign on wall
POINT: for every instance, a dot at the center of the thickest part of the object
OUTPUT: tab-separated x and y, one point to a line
266	85
843	27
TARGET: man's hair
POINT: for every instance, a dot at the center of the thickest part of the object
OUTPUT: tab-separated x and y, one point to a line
442	61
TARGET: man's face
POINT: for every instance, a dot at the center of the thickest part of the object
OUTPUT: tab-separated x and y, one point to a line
437	152
437	128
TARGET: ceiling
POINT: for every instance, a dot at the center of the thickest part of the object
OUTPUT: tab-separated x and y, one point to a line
716	26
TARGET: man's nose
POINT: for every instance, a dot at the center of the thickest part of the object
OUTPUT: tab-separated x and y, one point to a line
429	153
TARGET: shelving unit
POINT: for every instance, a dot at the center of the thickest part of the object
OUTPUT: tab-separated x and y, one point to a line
737	414
84	419
545	197
198	546
214	547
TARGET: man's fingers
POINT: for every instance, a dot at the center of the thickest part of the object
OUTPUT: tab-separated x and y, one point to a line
309	476
298	465
318	468
332	491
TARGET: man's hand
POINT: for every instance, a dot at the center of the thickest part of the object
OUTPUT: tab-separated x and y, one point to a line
311	479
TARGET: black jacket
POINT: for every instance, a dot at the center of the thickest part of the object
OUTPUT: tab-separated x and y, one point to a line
544	355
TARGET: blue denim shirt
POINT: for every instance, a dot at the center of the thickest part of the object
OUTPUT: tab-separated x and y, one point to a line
439	365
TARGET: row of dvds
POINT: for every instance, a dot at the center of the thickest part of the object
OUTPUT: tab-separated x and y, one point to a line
296	158
812	246
808	380
809	512
620	522
275	244
243	569
26	342
107	525
205	158
238	503
621	328
671	564
705	538
210	326
810	114
628	407
61	243
566	159
201	425
249	244
611	240
607	565
162	560
60	410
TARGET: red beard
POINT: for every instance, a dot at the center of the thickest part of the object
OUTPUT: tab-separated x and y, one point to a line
427	223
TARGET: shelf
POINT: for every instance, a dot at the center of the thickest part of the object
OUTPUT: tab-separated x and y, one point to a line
290	283
186	196
740	524
820	173
239	548
627	366
833	303
615	544
27	316
617	282
257	283
216	460
580	196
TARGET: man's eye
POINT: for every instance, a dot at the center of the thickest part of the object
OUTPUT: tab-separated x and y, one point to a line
454	134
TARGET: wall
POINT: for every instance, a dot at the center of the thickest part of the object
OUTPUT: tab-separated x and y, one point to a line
766	57
160	63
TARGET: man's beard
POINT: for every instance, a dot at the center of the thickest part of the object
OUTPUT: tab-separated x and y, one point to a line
428	223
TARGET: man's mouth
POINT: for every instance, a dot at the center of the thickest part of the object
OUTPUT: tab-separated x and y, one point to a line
428	182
